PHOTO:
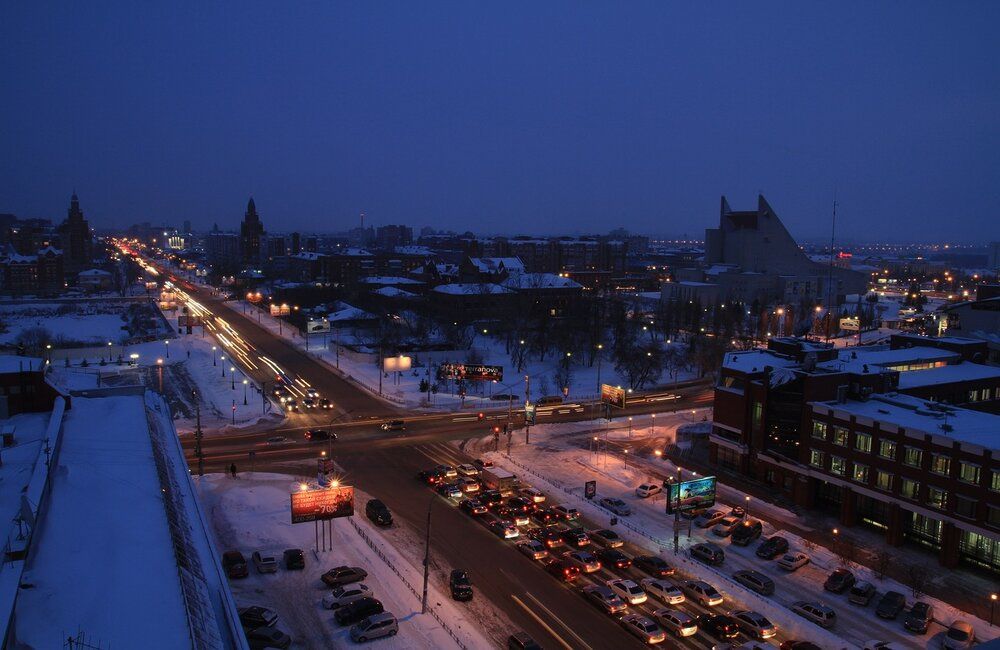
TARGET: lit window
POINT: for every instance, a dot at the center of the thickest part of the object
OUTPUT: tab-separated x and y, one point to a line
838	465
883	481
860	473
819	430
840	436
995	483
816	458
910	489
863	442
940	464
937	497
887	449
968	473
913	456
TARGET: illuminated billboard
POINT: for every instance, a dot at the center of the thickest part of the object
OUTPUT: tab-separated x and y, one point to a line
694	495
613	395
470	372
317	326
321	504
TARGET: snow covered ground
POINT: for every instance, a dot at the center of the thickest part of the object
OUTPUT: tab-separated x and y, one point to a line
252	513
561	456
86	322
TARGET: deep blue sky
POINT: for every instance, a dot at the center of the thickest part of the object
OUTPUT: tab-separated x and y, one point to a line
506	117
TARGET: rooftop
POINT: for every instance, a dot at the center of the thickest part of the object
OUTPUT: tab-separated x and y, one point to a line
754	361
948	374
470	289
389	280
540	281
855	359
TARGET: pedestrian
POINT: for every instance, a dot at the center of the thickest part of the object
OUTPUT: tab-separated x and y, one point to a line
189	354
232	469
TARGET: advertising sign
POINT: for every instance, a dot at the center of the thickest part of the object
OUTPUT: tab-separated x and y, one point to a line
318	505
529	413
850	324
694	495
280	310
188	321
470	372
590	489
317	326
613	396
397	364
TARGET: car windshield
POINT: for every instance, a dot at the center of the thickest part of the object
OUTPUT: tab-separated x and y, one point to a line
634	589
958	634
919	610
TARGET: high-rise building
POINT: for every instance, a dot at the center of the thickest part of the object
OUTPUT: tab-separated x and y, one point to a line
251	231
296	244
388	237
75	239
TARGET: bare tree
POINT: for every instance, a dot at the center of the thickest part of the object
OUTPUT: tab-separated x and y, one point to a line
918	576
882	561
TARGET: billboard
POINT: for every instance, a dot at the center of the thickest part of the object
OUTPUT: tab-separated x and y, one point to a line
280	310
694	495
850	324
320	504
317	326
529	413
612	395
590	489
397	364
470	372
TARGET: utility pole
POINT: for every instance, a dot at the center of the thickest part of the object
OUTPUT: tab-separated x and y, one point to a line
677	513
527	400
198	434
427	556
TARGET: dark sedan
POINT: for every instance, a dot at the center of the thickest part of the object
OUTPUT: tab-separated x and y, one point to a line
772	547
890	605
839	581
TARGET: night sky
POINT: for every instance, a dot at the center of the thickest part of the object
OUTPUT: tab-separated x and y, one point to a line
506	117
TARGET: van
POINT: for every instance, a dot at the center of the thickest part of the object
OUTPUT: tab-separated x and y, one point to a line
375	626
708	553
647	490
378	513
755	581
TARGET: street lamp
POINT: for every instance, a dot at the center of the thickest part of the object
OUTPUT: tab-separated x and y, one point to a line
630	427
600	347
223	359
167	344
652	422
159	367
993	603
213	355
625	457
746	510
232	377
245	384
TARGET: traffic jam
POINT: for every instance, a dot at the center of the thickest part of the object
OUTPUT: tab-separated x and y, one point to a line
650	598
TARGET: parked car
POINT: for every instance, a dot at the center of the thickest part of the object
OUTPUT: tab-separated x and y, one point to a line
616	506
725	526
346	594
295	559
575	537
647	490
772	547
754	624
628	590
375	626
460	585
264	562
644	628
605	599
267	637
708	518
793	561
235	564
676	622
378	513
861	593
702	592
890	605
358	610
606	538
533	548
393	425
472	507
612	557
343	575
959	636
666	590
566	513
521	641
839	581
708	553
799	645
816	612
720	626
755	581
257	616
875	644
586	562
746	532
466	469
919	618
563	570
653	565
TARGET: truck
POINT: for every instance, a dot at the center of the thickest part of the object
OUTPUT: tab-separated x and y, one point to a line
495	478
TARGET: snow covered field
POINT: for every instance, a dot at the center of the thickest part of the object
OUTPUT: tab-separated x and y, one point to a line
252	513
87	322
561	456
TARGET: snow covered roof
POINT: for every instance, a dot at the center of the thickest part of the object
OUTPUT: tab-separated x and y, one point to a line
948	374
354	252
388	280
855	359
413	250
393	292
540	281
308	256
497	264
348	312
50	249
754	361
470	289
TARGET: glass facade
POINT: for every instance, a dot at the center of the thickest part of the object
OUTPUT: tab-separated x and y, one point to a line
924	530
979	549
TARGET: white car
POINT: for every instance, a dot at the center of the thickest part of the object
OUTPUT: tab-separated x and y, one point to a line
346	594
630	592
726	526
265	562
616	506
642	627
754	624
466	469
676	621
467	484
312	392
587	562
533	549
666	590
702	592
647	490
532	494
793	561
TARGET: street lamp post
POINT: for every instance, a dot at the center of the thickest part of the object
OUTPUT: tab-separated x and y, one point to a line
677	514
625	457
993	603
223	359
630	427
213	355
427	556
245	384
600	347
652	422
232	377
746	510
166	343
159	368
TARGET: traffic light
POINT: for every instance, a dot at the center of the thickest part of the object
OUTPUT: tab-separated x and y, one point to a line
481	416
496	431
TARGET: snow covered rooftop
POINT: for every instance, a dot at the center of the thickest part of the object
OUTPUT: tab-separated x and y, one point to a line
948	374
308	256
497	264
413	250
470	289
348	312
354	252
540	281
394	292
93	273
388	280
855	359
754	361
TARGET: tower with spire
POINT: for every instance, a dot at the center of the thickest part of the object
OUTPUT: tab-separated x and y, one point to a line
75	238
251	233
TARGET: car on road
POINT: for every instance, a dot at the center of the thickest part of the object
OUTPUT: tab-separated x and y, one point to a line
309	403
319	435
772	547
521	641
264	562
504	529
460	585
447	470
563	570
612	557
755	581
890	605
324	403
720	626
861	593
518	518
738	511
702	592
628	590
378	513
431	477
708	553
666	590
919	618
295	559
746	532
533	549
709	518
260	638
551	538
375	626
575	537
794	644
482	464
532	494
277	441
676	622
616	506
959	636
566	513
605	599
312	392
725	526
522	505
818	613
544	516
754	624
449	491
343	575
358	610
653	565
393	425
587	562
644	628
490	498
465	469
472	507
793	561
839	581
257	616
606	538
291	405
346	594
235	564
647	490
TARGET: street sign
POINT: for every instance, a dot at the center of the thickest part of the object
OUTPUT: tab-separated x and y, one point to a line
613	395
321	504
590	489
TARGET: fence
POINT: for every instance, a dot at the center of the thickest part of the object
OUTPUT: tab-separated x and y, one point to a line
378	551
